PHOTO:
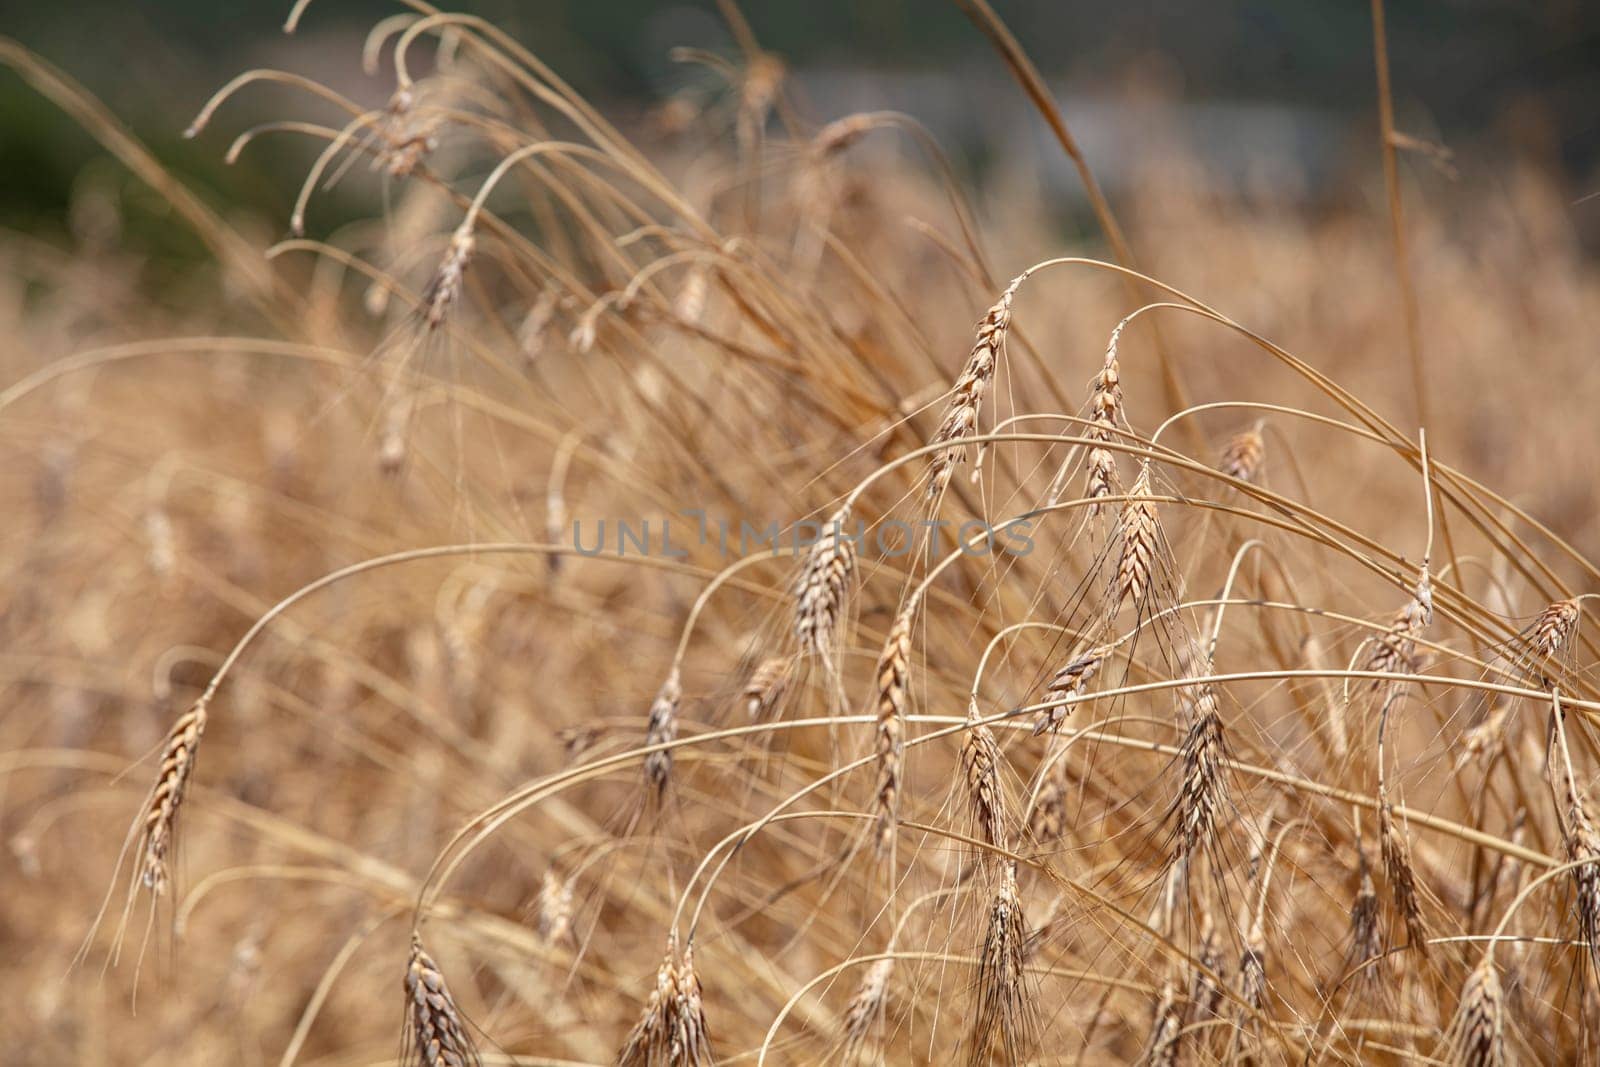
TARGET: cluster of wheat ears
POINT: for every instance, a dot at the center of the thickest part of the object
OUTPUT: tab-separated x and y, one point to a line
1222	731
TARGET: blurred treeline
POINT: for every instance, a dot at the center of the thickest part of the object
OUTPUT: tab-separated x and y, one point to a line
1485	77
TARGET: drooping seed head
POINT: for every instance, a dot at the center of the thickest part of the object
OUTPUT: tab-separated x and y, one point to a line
436	1035
966	397
824	587
160	823
1366	933
662	729
1252	978
1141	536
866	1007
1582	843
1105	415
894	676
1102	479
1002	1013
1165	1046
1242	455
671	1031
1553	629
1394	651
555	908
1484	740
1402	876
1070	681
765	689
445	286
1478	1032
980	762
1205	994
1203	791
1048	820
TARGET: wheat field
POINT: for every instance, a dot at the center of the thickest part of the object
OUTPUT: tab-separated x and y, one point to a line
750	596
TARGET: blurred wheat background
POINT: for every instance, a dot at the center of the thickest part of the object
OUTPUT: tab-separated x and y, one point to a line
1262	730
